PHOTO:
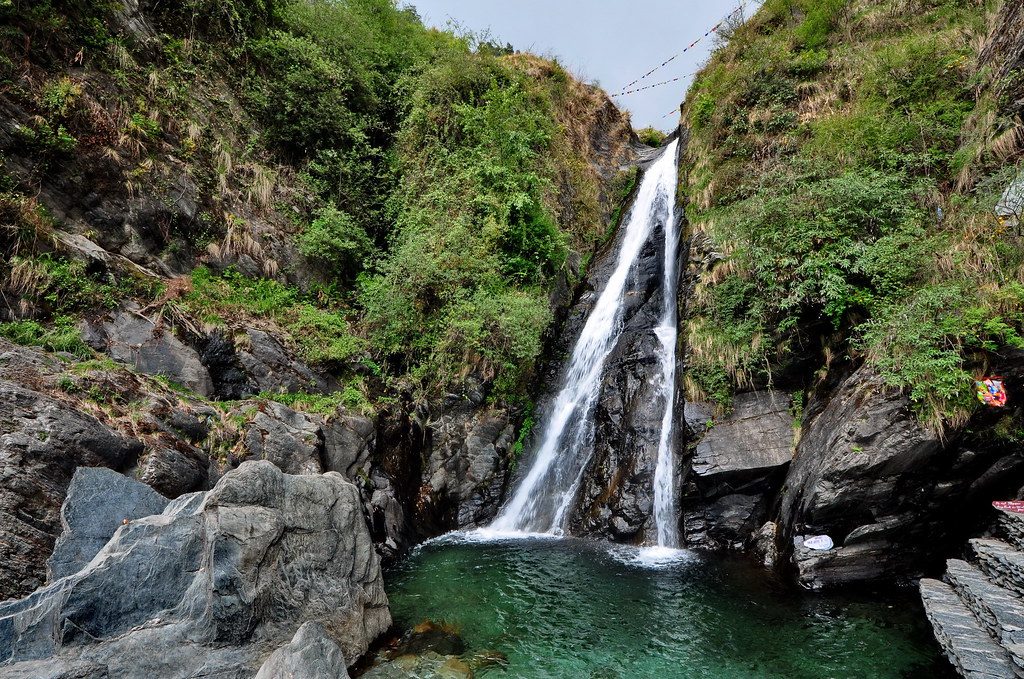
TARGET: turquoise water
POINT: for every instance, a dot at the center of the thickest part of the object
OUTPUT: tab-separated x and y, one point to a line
570	608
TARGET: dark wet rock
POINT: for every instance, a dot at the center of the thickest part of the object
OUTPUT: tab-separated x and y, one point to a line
765	544
466	472
230	380
98	501
746	448
616	500
192	426
311	654
270	367
42	442
216	582
881	485
290	440
131	338
728	522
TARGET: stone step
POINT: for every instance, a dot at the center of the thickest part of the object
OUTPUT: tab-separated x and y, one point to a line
1012	525
1000	611
974	653
1003	564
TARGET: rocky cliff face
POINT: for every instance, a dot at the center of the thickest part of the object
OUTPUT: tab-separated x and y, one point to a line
735	466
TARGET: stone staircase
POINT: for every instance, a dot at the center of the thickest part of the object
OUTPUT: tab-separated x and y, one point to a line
977	610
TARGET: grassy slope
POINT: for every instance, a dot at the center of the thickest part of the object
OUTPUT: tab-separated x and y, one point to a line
401	199
846	157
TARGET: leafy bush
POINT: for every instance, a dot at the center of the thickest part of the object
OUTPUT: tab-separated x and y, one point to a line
476	241
818	165
336	239
651	136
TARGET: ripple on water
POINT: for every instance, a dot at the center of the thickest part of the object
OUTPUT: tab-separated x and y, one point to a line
570	608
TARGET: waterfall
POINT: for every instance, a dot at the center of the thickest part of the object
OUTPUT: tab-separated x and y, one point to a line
543	499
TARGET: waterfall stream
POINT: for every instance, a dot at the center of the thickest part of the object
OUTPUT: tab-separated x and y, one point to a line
543	500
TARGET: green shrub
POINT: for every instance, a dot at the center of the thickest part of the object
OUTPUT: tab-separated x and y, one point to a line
322	335
47	140
58	96
64	336
336	239
651	136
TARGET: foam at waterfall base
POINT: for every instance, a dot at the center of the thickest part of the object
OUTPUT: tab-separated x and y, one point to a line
653	557
487	535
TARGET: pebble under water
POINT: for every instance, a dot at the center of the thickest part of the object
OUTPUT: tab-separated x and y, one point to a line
574	608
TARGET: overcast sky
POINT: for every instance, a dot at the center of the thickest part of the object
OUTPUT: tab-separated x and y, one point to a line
608	41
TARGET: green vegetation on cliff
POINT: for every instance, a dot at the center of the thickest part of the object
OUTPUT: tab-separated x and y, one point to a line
846	160
376	192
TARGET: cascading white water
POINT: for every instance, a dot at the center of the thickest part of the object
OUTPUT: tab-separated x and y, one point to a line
664	488
542	500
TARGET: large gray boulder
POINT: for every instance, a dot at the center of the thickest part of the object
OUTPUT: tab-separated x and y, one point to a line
891	493
858	477
211	586
98	502
42	442
311	654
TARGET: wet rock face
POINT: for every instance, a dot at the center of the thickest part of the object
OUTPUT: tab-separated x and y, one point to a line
42	441
616	497
215	582
466	474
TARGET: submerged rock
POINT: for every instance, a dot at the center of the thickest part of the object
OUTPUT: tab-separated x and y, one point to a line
210	586
431	636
